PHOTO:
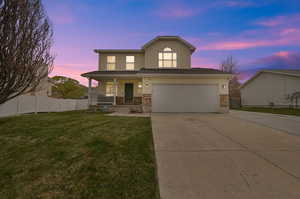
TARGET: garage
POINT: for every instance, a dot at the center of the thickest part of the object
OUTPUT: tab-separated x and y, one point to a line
185	98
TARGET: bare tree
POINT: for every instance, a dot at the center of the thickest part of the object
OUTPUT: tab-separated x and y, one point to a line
230	65
25	41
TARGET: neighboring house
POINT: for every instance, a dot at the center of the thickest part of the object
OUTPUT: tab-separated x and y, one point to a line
43	89
159	77
271	88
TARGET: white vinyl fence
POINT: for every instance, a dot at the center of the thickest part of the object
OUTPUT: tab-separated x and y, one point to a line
35	104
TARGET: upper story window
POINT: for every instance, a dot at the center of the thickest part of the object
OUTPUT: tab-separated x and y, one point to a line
111	62
167	58
129	62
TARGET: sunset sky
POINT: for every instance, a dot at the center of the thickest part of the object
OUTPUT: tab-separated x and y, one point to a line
258	33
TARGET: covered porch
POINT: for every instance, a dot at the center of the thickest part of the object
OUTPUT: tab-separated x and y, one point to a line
125	90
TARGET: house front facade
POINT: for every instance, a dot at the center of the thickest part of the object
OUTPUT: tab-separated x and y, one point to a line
266	88
44	88
159	77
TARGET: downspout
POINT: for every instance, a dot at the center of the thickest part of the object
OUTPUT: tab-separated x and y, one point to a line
115	91
90	92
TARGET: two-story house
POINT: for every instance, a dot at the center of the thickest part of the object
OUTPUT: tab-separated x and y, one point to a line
159	77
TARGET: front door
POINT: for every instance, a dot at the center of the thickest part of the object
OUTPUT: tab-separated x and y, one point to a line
128	93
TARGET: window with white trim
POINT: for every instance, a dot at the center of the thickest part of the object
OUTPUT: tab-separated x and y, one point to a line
130	62
109	89
167	58
111	62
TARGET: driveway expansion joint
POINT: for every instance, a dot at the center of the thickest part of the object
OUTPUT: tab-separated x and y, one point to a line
255	153
224	157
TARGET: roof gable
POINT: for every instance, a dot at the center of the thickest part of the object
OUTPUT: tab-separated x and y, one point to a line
293	73
186	43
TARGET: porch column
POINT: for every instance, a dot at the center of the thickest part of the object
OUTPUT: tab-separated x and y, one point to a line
90	92
115	91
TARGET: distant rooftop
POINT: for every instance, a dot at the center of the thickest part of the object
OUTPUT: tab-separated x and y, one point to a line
292	72
289	72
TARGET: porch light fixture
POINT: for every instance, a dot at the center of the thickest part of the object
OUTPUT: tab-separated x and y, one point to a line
140	85
223	86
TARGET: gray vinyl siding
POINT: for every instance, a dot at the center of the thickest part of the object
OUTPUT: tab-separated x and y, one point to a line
183	53
121	60
269	88
149	59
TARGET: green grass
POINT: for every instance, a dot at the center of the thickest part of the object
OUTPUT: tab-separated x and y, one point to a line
283	111
76	155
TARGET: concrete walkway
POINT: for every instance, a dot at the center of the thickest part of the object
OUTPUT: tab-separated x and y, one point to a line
212	156
287	123
129	114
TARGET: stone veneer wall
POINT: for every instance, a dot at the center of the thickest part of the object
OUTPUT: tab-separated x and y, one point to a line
120	100
224	103
136	100
147	101
224	100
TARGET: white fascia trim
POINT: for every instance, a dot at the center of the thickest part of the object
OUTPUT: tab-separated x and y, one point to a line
187	75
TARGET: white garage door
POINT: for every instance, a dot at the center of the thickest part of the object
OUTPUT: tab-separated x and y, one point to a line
185	98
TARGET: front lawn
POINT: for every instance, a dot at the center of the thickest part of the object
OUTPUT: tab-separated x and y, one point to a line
76	155
283	111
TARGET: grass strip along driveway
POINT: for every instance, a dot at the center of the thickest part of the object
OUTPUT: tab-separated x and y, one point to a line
76	155
282	111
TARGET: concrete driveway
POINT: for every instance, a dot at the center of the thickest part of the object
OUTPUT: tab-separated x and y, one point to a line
212	156
286	123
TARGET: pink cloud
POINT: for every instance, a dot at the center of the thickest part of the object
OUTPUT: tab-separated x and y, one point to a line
241	45
288	31
281	36
176	10
201	62
278	60
236	45
239	3
284	54
280	20
245	75
278	31
287	59
272	22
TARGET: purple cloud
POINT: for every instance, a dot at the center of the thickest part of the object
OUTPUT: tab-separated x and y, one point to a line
179	9
279	60
176	10
283	59
278	31
280	21
241	4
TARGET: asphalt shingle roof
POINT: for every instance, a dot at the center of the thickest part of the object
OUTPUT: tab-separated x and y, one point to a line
159	71
290	72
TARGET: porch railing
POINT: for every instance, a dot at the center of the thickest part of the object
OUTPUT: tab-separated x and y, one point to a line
98	99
